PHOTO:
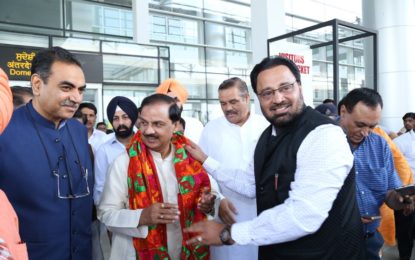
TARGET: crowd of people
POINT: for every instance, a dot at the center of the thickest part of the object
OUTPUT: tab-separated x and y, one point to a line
295	183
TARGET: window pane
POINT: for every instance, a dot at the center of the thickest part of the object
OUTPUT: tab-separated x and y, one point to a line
76	44
226	36
193	82
187	58
189	7
44	13
176	29
130	69
227	12
129	48
98	18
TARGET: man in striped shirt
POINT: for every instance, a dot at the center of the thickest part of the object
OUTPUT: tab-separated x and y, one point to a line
376	178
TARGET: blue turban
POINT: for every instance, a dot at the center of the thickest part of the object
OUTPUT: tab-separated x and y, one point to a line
125	104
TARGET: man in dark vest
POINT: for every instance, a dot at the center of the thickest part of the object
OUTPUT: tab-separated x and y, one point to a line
304	182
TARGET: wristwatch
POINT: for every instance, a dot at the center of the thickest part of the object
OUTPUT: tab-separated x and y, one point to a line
225	236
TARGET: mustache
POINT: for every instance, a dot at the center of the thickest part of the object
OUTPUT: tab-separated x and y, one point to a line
151	136
69	103
279	105
231	112
120	127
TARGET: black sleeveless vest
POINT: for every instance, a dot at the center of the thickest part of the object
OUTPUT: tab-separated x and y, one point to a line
341	234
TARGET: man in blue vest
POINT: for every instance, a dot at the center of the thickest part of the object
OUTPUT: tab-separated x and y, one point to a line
45	167
304	185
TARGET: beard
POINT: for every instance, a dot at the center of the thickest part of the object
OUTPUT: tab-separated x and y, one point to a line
123	131
283	120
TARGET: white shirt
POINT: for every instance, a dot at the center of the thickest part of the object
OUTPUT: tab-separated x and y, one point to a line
324	160
96	139
233	146
193	129
406	144
114	211
104	157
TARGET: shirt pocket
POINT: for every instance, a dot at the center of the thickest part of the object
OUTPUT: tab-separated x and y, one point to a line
377	180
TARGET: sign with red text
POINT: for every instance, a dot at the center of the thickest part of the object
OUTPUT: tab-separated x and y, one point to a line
301	55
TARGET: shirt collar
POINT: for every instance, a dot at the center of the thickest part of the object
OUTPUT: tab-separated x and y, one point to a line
39	119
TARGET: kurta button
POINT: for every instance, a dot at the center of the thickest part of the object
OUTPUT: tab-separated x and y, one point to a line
75	249
57	140
64	176
261	188
73	212
60	158
74	232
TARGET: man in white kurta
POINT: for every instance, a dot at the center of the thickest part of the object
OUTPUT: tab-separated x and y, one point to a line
156	129
231	140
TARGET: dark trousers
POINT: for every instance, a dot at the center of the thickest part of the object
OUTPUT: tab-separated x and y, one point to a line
374	243
404	226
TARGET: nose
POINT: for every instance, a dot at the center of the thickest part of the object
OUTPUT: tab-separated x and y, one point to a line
148	129
277	97
76	96
365	131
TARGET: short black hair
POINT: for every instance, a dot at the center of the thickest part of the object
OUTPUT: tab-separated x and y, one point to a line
78	114
409	114
329	100
174	110
18	93
369	97
101	123
183	122
271	62
43	60
234	82
88	105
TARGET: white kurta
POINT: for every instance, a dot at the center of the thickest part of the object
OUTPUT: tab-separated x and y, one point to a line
96	139
233	146
114	212
193	129
406	144
104	157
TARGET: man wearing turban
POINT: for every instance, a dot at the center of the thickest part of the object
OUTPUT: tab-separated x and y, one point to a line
174	89
122	113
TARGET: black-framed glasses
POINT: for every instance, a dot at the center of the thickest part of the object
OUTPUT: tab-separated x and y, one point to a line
285	89
77	187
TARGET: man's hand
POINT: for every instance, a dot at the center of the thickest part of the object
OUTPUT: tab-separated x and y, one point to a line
207	201
196	152
159	213
208	233
227	212
397	202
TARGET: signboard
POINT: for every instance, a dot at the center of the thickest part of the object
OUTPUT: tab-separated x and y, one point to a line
17	62
301	55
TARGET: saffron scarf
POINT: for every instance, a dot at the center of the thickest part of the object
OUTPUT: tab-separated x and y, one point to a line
144	190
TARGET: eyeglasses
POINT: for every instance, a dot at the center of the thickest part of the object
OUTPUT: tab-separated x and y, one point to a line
268	94
68	186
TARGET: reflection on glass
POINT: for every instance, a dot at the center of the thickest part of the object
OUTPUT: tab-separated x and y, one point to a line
227	62
130	69
76	44
24	39
129	48
99	18
194	83
187	58
176	29
39	13
188	7
227	12
227	36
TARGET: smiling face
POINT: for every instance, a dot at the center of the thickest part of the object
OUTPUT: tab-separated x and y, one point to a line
358	123
235	105
156	127
282	107
59	98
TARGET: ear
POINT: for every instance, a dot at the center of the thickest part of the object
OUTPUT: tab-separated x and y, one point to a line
36	82
343	110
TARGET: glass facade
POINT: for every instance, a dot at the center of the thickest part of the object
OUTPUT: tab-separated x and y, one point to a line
209	40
